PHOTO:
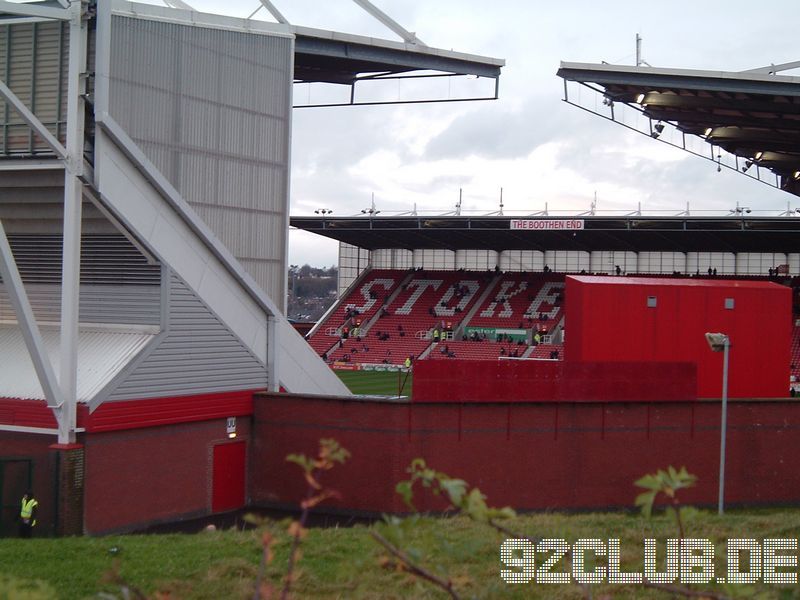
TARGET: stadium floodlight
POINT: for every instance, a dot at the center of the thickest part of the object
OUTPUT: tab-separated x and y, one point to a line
719	342
323	211
708	131
747	164
657	129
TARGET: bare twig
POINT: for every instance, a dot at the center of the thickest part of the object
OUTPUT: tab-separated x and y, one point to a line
513	534
296	539
417	570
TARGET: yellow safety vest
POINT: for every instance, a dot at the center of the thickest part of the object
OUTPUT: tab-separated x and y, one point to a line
26	510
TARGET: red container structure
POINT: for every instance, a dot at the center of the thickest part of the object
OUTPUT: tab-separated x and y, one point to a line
636	319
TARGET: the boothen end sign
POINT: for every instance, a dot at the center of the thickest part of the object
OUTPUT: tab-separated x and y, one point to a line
547	224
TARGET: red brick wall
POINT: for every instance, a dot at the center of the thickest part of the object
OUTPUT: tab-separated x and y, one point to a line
531	455
144	476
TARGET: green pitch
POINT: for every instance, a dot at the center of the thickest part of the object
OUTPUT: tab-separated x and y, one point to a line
376	382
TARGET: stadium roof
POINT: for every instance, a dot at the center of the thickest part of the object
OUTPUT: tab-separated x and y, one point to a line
753	115
586	233
321	56
331	57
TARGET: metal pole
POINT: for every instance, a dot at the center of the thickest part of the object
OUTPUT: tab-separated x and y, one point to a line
724	426
71	254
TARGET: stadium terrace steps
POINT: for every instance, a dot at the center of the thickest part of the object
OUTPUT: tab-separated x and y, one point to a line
542	351
518	301
428	299
371	350
367	297
469	350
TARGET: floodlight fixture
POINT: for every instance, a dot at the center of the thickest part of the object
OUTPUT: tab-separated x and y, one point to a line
708	131
657	129
747	164
639	98
717	341
323	211
796	175
758	156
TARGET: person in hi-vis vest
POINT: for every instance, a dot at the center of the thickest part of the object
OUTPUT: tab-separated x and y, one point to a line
27	514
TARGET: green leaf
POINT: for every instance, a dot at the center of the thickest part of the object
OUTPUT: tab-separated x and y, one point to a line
645	501
455	489
302	460
475	506
650	482
404	488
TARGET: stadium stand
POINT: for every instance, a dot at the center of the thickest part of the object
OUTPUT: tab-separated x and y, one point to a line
404	327
363	302
481	350
523	301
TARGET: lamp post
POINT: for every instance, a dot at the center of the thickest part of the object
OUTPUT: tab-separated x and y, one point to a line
719	342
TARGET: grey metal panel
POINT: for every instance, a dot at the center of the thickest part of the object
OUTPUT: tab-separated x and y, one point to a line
33	64
105	259
133	305
198	355
211	109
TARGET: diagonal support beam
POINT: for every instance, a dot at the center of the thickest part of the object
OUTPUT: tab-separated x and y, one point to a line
34	10
32	120
178	4
273	10
389	22
27	322
770	69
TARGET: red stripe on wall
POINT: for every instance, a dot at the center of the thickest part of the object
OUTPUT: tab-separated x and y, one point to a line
26	413
133	414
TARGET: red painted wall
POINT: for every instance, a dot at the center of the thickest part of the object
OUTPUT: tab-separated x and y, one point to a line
526	381
140	477
530	455
608	320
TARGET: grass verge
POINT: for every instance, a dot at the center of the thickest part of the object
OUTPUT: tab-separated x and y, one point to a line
346	563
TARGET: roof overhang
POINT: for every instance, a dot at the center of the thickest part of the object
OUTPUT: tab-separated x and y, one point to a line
103	351
587	233
327	56
752	116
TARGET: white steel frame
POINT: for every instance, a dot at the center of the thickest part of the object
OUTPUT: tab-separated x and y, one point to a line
61	392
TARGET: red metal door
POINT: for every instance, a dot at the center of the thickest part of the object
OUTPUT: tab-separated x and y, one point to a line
227	488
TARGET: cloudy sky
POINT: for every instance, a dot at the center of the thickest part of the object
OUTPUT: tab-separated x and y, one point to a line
529	142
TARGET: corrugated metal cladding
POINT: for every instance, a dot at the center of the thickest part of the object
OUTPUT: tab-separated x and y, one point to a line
131	305
211	110
105	259
101	356
33	63
118	285
197	355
